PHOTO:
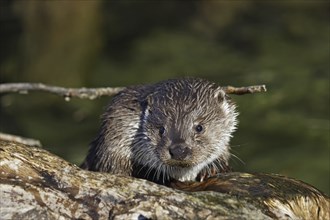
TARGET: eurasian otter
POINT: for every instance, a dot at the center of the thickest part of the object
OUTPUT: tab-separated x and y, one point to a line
175	129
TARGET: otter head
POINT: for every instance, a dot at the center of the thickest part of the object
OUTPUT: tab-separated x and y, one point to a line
187	125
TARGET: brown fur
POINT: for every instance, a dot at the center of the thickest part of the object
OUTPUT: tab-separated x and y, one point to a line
175	129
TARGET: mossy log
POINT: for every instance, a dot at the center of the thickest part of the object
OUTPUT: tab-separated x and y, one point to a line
35	184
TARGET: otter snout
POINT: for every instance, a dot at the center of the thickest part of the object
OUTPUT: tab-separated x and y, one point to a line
179	152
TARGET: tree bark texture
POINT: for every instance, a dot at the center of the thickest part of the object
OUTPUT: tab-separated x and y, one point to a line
35	184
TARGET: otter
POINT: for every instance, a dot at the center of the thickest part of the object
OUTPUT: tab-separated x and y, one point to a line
176	129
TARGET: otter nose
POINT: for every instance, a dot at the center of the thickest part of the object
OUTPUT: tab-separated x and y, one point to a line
179	152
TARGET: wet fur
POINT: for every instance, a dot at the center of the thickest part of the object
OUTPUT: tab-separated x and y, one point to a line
129	142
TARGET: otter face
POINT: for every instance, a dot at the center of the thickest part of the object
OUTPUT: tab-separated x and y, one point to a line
187	129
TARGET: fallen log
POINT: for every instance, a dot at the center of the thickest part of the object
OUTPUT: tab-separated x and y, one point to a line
35	184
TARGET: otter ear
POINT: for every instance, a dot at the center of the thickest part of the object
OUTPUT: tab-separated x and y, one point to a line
219	94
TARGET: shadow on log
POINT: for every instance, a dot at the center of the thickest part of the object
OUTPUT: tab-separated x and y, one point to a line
35	184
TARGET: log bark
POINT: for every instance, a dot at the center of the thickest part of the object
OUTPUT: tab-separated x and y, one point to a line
35	184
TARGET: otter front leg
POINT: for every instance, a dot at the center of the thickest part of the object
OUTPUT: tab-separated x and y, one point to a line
212	171
206	173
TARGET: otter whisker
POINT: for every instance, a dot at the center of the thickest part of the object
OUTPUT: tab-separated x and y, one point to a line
236	157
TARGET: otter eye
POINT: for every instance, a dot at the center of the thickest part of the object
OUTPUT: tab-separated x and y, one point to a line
161	130
199	128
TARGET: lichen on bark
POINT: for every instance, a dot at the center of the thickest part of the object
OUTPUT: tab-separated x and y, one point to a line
35	184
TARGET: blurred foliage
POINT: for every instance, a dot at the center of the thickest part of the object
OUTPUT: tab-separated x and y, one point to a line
284	44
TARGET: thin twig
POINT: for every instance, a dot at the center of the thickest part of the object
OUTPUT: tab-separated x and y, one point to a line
92	93
67	93
244	90
19	139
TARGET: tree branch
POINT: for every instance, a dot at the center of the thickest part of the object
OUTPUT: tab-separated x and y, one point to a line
244	90
92	93
67	93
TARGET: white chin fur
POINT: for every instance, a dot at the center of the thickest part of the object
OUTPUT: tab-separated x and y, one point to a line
189	174
186	174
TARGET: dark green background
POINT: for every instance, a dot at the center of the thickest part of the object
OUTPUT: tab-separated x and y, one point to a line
283	44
